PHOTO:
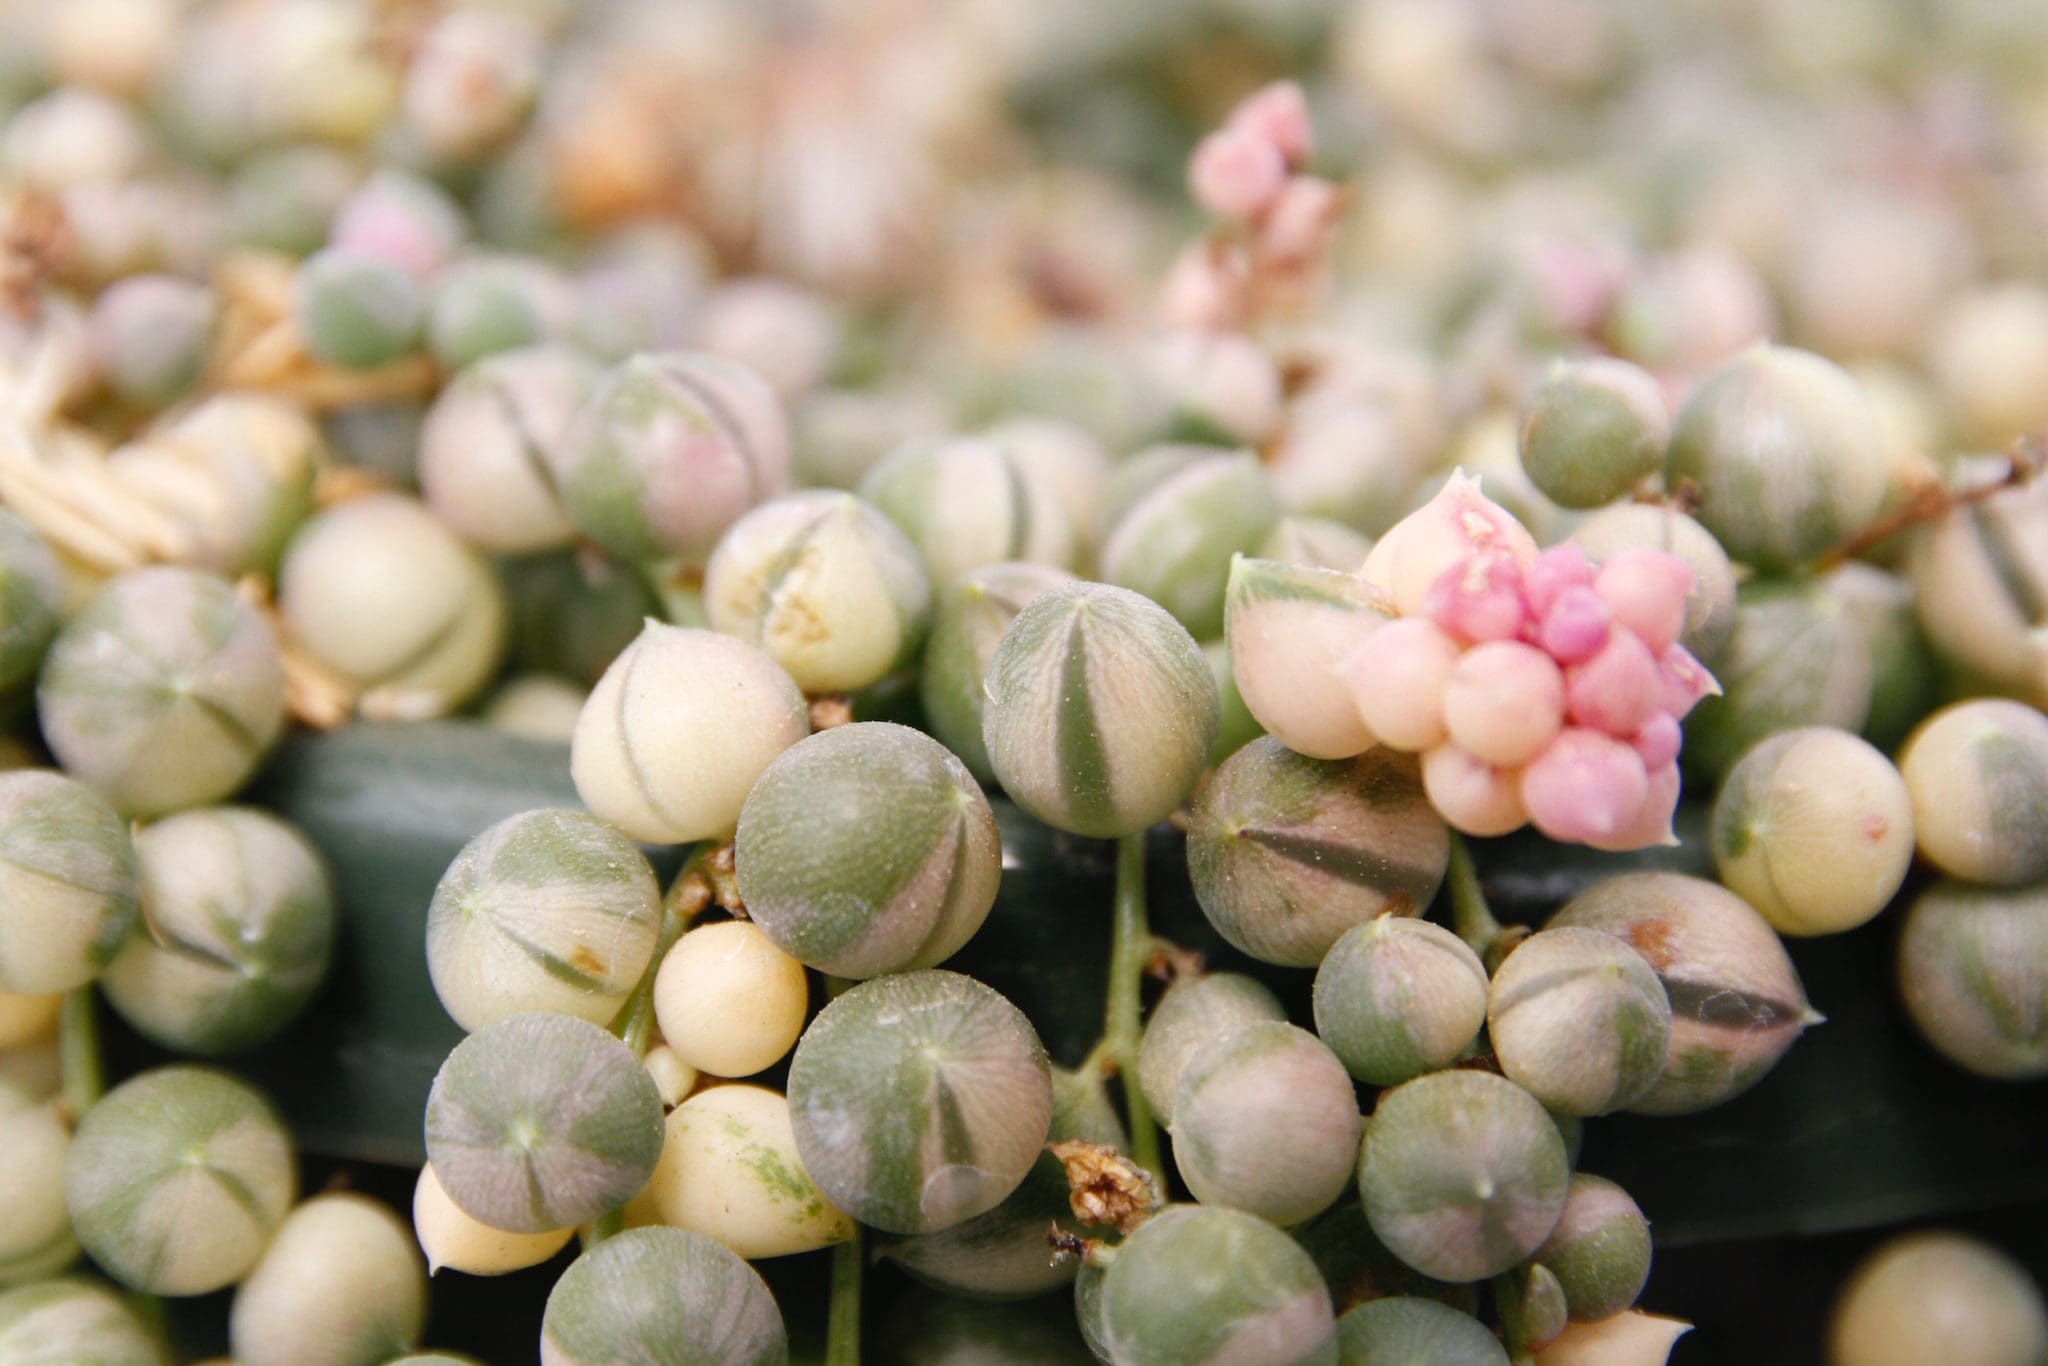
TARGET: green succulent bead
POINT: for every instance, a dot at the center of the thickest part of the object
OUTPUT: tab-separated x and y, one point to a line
1358	1267
149	335
489	444
1289	629
67	882
1065	459
664	1296
1315	543
1287	853
1594	430
1938	1296
35	1228
489	305
1265	1120
1195	1012
1977	773
164	691
1709	601
544	911
1198	1284
920	1100
838	435
537	1122
237	923
1980	575
177	1178
31	592
573	615
1131	478
1236	727
1463	1174
1397	997
1736	1002
1579	1020
356	311
825	584
1403	1330
1174	543
1785	452
868	848
966	501
968	622
341	1284
1600	1249
69	1322
1973	971
1101	711
282	199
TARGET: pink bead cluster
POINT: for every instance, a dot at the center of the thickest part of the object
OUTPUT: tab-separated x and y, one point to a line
1538	687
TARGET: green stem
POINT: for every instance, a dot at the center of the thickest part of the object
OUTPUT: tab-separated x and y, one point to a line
842	1324
635	1020
1507	1301
1129	950
78	1051
1470	916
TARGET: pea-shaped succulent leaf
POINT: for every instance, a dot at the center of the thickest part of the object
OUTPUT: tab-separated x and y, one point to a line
1265	1120
965	502
177	1178
35	1229
67	882
341	1284
1814	828
490	305
1193	1013
544	911
1980	574
148	335
234	473
825	584
1463	1174
1198	1284
573	615
1938	1296
919	1100
1286	853
1579	1020
30	594
1358	1267
1592	431
65	1322
1600	1250
1397	997
729	1169
1736	1002
1973	970
868	848
537	1122
1404	1330
237	924
1977	773
1315	543
677	731
668	450
356	311
1101	710
164	691
968	622
1236	727
729	1002
460	1241
664	1296
487	445
1175	542
1785	452
1709	599
1289	629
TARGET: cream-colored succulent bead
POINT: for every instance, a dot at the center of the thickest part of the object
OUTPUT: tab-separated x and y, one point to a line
1289	627
456	1241
1989	357
35	1229
537	707
673	1077
31	1071
728	1000
24	1018
1628	1339
1938	1296
675	733
235	472
70	1320
1978	775
729	1168
341	1284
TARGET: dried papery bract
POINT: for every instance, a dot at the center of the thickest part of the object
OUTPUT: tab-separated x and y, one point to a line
729	1169
1403	1329
664	1291
1396	997
67	882
538	1122
1197	1284
235	472
1972	976
53	1321
919	1100
456	1241
730	1003
868	848
1174	542
1938	1296
1101	711
1463	1174
489	444
968	622
1579	1020
164	691
1977	773
1194	1012
177	1179
544	911
825	584
1600	1250
1736	1002
678	730
968	501
1288	853
341	1284
1290	627
236	929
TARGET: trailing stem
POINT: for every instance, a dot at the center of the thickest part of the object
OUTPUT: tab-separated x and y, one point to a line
1131	949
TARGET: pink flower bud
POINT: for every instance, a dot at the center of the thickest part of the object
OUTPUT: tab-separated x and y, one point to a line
1646	589
1235	174
1618	689
1584	786
1473	796
1652	823
1479	598
1459	521
1397	681
1277	116
1504	701
1562	566
1298	229
1659	740
1577	625
1685	681
1206	290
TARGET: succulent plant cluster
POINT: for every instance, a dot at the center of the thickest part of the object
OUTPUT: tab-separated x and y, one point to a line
830	486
